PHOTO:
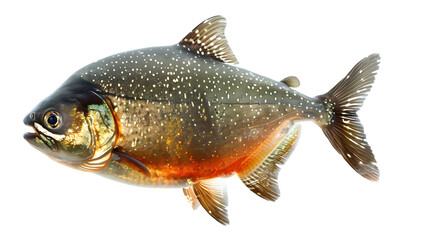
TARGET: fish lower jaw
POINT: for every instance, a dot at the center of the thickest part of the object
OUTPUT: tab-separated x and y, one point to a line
30	135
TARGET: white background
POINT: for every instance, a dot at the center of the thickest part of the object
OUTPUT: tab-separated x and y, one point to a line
42	43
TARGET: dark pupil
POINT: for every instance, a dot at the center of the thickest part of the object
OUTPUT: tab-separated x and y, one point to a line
52	120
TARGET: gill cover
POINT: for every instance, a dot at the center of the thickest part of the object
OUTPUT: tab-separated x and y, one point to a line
101	127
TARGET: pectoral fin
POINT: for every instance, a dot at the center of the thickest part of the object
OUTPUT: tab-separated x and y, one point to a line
211	194
130	161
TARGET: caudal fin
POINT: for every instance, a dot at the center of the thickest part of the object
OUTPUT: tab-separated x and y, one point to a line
344	130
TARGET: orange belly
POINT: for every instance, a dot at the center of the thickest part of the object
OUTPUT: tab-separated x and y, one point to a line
187	165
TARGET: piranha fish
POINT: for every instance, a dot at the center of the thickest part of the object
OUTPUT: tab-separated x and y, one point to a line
184	116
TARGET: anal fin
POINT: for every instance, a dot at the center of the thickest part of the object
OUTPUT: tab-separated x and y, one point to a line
262	180
212	195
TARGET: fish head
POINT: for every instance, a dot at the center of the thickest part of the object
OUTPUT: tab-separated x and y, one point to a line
77	130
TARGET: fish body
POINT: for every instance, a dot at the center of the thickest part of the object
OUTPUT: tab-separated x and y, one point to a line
189	117
183	116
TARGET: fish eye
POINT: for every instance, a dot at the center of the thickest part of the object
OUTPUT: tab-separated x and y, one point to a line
52	119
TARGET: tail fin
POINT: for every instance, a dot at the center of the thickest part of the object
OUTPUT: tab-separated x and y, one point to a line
344	130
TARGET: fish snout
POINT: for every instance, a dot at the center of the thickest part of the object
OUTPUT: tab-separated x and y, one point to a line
29	119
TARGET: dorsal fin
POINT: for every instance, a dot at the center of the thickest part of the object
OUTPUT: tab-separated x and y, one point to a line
262	180
209	39
291	81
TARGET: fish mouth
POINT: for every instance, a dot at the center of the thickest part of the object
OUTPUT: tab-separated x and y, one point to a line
39	140
30	135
